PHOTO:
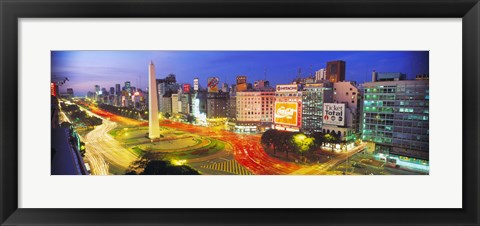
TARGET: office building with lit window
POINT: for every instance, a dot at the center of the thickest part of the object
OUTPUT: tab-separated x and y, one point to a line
347	93
217	105
313	97
395	118
335	71
254	110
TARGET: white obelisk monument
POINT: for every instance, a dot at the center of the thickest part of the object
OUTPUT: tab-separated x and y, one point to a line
153	127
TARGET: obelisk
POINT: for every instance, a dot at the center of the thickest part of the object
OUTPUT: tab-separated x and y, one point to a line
153	127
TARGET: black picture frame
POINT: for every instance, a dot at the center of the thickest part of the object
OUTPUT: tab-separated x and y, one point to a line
12	10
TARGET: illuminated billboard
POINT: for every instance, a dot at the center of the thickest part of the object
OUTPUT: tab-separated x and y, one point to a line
53	89
287	88
334	114
213	84
195	84
186	88
286	113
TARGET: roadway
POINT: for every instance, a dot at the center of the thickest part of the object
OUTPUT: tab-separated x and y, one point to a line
320	169
247	149
105	154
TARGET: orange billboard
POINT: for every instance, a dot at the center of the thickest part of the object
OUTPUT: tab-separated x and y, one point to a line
286	113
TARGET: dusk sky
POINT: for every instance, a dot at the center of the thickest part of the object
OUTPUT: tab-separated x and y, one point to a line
85	69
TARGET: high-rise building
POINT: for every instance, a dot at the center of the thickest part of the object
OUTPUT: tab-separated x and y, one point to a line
166	86
186	105
201	96
217	105
97	93
112	91
175	107
232	107
320	75
254	110
153	126
313	97
348	93
346	97
104	91
118	91
127	87
396	119
335	71
161	90
170	79
167	103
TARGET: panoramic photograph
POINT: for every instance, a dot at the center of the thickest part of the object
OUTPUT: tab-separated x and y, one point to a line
161	112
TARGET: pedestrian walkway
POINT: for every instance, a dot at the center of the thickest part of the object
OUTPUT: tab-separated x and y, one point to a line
230	166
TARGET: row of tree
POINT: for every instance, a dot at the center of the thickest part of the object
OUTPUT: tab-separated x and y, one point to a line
163	167
80	117
285	141
125	111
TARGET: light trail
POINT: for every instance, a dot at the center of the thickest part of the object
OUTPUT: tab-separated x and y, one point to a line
247	149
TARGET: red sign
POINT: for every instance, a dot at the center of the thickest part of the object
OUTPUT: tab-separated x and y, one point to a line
213	84
186	88
53	89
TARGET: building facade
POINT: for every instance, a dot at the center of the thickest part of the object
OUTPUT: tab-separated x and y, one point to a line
320	75
396	119
217	105
348	93
167	104
335	71
186	103
175	105
254	110
313	97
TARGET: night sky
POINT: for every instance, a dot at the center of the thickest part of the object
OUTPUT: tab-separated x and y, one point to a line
85	69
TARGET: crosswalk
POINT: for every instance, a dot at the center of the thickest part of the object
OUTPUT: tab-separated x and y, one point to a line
230	166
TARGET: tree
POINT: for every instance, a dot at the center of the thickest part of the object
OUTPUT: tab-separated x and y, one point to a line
161	167
332	139
319	139
191	118
302	143
167	115
82	148
269	138
284	140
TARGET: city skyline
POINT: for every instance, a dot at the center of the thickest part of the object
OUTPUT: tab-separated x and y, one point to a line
331	120
84	69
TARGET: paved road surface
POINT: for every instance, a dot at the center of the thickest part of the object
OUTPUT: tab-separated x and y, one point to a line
105	154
